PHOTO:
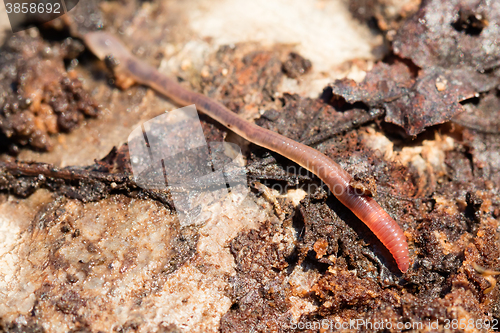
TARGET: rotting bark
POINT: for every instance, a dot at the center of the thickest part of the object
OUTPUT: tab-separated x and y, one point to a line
112	175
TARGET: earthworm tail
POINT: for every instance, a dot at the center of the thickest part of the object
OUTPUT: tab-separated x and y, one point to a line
365	208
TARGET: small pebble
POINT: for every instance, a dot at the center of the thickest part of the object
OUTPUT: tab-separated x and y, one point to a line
441	83
205	72
185	64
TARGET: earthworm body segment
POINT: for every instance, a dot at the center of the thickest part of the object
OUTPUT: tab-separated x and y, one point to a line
364	207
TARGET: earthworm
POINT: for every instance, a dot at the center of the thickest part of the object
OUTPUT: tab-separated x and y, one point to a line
487	274
104	45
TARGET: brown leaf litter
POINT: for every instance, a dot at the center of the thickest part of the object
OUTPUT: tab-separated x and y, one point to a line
445	54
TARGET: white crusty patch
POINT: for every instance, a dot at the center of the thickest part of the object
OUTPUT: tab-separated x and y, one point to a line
429	156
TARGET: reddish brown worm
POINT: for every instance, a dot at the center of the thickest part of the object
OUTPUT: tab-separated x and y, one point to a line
364	207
